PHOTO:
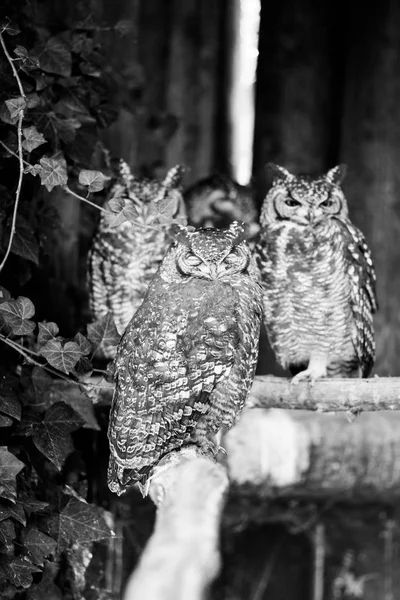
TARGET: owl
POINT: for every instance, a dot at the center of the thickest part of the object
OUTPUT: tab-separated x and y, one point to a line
318	278
218	200
186	361
124	258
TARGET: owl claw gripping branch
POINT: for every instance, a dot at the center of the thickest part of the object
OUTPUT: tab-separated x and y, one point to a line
318	278
186	361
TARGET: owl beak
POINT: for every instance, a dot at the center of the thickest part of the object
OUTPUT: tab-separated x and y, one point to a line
213	271
310	216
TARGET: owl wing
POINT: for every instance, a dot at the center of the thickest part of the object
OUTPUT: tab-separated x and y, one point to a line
362	294
178	346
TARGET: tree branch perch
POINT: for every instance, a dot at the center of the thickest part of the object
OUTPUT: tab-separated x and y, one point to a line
182	557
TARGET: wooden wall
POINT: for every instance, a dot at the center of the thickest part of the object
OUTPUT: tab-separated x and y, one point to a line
174	68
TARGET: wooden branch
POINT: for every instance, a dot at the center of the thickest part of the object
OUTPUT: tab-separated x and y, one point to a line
327	395
182	557
296	454
355	395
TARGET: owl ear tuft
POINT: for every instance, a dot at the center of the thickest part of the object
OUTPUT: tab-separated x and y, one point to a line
181	233
240	231
174	177
275	172
337	174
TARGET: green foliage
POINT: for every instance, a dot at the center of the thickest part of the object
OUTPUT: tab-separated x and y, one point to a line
39	520
51	114
54	103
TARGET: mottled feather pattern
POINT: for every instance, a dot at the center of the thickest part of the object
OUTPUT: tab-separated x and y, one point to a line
124	259
183	368
318	277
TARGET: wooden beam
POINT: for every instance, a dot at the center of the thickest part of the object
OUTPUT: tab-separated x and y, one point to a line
351	395
182	556
300	454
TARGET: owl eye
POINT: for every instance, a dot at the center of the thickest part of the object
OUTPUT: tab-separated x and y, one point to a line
326	203
192	260
231	258
292	202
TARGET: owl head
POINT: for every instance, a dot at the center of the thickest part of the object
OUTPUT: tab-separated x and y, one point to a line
207	253
304	200
218	200
141	193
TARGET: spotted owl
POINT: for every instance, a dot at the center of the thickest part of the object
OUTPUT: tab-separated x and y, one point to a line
186	361
318	278
123	259
218	200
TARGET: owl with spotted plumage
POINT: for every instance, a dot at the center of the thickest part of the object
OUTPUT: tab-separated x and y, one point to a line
318	278
186	361
218	200
125	256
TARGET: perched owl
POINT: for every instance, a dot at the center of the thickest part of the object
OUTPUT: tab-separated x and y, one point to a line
318	278
186	361
124	258
218	200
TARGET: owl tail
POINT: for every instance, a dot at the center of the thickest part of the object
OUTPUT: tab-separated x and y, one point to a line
120	480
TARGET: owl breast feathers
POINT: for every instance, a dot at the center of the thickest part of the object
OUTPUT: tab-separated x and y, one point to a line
186	362
124	257
318	278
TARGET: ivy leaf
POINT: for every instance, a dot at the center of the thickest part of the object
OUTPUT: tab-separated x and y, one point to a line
52	435
24	241
7	533
16	314
16	106
103	332
32	100
56	57
53	172
84	345
163	211
38	545
6	117
4	294
9	26
28	61
62	357
10	466
5	421
93	179
32	169
79	403
47	331
15	511
121	211
10	406
31	505
33	139
18	570
78	522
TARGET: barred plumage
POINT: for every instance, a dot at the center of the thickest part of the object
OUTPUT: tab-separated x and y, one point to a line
186	362
218	200
124	259
318	278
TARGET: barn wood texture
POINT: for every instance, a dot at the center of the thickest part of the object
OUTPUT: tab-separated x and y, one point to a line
173	62
371	147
